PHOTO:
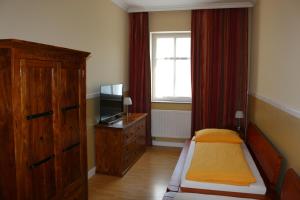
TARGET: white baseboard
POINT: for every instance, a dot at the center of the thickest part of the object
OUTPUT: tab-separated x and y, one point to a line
91	172
167	144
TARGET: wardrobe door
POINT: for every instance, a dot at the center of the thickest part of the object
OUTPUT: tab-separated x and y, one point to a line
72	172
38	100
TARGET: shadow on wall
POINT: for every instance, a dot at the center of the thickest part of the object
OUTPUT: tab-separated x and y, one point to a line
254	30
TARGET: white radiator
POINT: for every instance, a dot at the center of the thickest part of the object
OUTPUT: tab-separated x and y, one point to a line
171	123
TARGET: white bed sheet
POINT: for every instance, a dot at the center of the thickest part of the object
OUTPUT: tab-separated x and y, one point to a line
192	196
255	188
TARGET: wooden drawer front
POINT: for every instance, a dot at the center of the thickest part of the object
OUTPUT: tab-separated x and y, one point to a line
129	154
128	149
141	127
129	135
141	135
128	159
42	185
71	168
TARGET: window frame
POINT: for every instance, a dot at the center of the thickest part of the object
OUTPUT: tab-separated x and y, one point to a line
153	37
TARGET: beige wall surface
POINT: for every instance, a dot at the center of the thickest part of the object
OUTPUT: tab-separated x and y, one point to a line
99	27
274	77
170	21
275	54
92	109
281	128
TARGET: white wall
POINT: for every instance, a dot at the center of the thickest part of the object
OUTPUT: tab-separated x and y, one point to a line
96	26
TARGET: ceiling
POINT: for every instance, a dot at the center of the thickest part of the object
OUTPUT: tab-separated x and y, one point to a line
167	5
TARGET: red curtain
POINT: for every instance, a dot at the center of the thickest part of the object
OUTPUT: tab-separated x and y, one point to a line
219	67
139	68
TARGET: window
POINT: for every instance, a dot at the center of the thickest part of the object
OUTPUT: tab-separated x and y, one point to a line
171	67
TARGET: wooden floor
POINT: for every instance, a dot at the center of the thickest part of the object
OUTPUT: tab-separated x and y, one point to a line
146	180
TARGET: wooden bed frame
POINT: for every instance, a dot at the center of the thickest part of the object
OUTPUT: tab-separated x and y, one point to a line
291	186
266	157
290	189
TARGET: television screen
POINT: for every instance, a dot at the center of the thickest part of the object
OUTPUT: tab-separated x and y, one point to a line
111	102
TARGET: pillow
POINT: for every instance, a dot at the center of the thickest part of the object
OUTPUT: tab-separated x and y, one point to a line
218	135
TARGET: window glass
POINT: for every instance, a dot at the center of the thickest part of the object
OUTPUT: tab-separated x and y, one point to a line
171	67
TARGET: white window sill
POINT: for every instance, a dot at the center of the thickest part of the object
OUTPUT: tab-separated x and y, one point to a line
174	102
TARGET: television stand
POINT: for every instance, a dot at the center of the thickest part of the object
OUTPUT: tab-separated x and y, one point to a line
121	144
112	120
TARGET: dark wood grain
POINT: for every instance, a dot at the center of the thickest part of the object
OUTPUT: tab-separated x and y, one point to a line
266	157
291	186
83	136
70	125
37	91
119	145
43	177
223	193
70	159
43	122
7	164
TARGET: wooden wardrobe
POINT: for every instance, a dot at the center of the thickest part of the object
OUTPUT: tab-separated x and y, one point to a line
42	122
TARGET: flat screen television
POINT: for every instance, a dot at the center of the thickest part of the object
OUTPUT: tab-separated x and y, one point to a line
111	103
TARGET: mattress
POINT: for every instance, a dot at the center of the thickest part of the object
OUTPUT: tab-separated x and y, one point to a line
191	196
255	188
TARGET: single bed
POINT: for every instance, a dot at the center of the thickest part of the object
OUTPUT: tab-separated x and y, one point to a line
260	152
289	191
256	189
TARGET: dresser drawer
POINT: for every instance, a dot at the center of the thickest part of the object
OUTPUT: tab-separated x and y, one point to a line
129	135
140	127
129	154
127	149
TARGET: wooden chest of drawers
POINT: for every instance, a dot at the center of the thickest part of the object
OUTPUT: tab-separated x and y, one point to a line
118	146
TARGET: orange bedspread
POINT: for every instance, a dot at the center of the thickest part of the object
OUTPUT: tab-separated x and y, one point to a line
220	163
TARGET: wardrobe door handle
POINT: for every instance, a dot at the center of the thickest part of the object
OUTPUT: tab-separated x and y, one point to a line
39	115
69	148
35	165
67	108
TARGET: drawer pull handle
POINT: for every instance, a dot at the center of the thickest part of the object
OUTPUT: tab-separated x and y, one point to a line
39	115
71	147
35	165
64	109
